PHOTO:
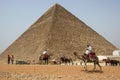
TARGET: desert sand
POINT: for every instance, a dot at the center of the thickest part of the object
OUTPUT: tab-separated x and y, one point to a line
57	72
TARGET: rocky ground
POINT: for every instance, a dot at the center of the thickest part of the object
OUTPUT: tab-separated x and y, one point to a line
57	72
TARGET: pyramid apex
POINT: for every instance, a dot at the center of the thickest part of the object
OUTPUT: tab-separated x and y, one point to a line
56	4
50	12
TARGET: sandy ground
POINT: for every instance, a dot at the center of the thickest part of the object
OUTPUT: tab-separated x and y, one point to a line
57	72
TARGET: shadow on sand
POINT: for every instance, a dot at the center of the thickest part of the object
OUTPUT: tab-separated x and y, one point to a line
92	71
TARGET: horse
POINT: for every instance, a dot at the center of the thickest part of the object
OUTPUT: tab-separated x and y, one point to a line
107	61
111	62
65	60
93	59
114	62
45	58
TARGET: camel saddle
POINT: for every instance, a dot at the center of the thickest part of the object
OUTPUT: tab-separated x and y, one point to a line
90	56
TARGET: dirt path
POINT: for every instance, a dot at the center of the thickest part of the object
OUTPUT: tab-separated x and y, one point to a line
57	72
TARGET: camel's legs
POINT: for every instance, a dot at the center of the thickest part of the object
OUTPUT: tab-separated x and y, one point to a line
97	62
94	66
85	66
99	67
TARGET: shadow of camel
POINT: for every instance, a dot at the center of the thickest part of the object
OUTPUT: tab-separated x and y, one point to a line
93	71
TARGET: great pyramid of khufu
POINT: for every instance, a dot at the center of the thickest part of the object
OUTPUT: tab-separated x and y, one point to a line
58	32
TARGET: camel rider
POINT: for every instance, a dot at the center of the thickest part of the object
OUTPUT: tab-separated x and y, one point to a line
89	47
88	50
45	54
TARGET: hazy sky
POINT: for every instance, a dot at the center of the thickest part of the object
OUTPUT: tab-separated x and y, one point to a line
16	16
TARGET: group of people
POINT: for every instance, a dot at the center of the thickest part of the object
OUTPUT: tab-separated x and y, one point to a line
11	59
88	52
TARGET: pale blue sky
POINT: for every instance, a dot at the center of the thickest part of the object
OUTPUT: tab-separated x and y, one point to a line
16	16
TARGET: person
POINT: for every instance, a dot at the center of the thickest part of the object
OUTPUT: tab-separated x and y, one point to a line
88	51
12	59
44	52
45	56
63	57
89	48
9	58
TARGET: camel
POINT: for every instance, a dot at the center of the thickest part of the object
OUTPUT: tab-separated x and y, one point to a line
44	57
65	60
86	60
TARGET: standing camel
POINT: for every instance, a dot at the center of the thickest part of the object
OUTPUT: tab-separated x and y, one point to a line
86	60
45	58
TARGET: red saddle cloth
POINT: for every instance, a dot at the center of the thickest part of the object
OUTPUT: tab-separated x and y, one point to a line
92	55
45	56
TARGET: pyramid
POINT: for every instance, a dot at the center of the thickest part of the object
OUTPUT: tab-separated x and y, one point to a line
58	32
